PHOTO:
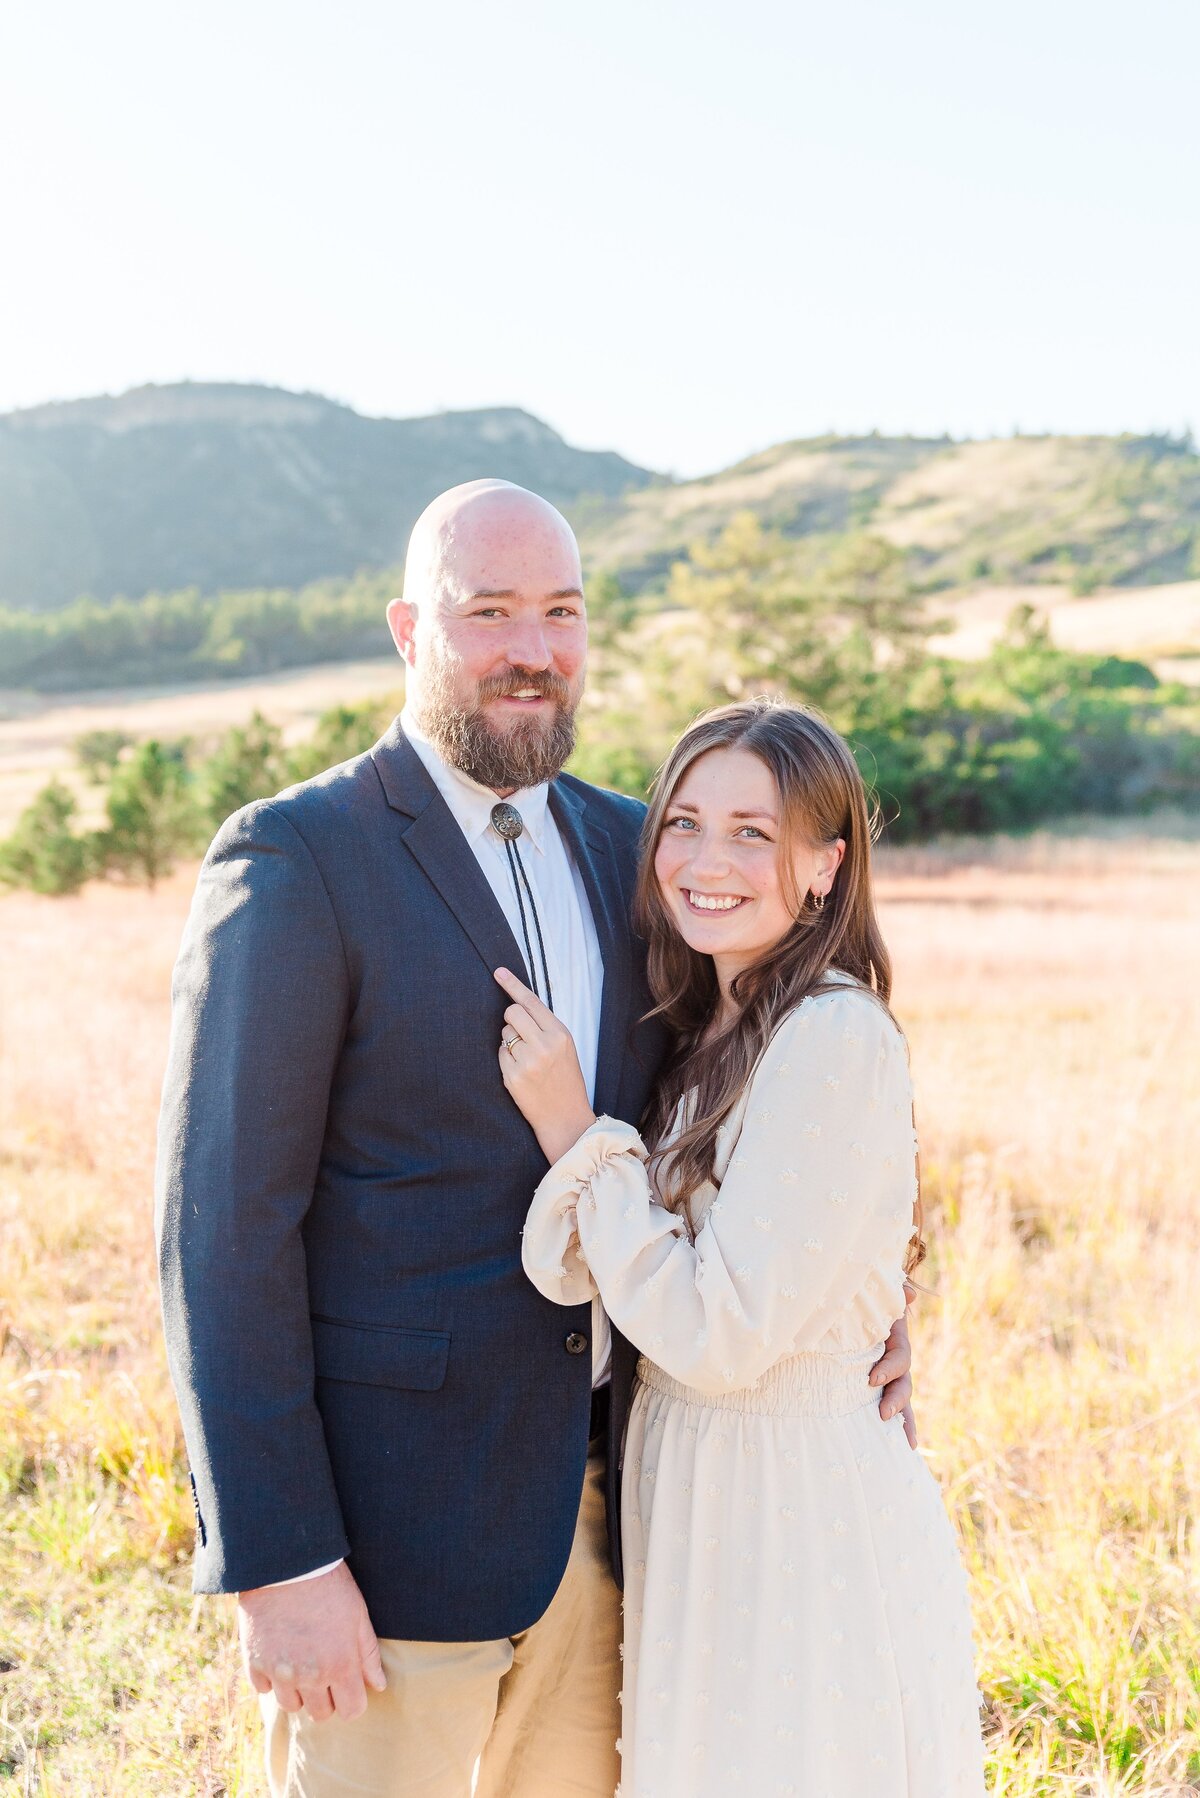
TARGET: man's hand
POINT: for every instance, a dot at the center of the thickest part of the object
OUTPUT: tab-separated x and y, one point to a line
891	1372
312	1643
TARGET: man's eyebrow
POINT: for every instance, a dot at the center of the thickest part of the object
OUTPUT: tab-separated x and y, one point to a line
510	593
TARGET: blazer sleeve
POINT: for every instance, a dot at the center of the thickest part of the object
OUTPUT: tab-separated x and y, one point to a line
814	1210
260	1001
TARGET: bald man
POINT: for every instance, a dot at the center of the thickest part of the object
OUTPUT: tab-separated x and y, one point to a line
401	1453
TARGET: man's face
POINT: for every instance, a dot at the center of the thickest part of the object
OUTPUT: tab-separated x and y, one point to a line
498	648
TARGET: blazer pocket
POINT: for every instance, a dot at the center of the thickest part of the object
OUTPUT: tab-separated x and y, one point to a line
380	1355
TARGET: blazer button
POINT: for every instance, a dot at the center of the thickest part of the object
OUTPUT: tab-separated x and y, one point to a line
576	1343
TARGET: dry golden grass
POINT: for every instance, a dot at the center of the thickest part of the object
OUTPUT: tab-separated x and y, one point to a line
1159	625
38	730
1048	997
1048	992
119	1683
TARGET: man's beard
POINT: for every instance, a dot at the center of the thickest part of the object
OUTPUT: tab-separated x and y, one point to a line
526	754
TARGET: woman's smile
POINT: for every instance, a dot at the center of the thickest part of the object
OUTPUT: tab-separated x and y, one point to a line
710	903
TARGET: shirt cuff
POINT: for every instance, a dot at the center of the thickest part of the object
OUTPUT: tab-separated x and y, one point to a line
300	1577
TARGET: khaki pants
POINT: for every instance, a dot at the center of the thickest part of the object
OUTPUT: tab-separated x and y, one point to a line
539	1712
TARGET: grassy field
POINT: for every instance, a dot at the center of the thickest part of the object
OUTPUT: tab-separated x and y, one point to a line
1157	625
38	731
1048	990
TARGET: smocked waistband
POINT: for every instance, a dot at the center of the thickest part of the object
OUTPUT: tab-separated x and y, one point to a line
808	1385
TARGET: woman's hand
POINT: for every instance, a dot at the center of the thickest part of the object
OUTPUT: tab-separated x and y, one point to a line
892	1372
540	1068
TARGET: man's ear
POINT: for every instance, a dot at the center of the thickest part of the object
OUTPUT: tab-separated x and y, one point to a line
402	622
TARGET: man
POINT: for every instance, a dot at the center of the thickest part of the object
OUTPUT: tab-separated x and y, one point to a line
400	1451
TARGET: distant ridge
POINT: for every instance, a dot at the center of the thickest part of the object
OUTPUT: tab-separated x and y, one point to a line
218	485
1085	512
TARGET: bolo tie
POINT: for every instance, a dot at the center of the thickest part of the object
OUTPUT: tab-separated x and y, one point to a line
508	824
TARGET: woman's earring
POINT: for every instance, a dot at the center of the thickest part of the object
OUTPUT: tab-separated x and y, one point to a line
818	900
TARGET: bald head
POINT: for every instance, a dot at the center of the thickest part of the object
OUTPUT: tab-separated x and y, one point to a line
492	533
493	630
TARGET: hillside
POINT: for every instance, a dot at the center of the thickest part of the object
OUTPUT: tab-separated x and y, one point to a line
1088	511
288	514
218	486
224	486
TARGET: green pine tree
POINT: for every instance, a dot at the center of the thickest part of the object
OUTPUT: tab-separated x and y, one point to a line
153	815
342	733
44	853
98	752
247	764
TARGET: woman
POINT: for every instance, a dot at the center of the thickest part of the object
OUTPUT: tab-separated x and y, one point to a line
796	1617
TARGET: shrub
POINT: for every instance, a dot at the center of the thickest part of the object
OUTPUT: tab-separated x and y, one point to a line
153	815
44	853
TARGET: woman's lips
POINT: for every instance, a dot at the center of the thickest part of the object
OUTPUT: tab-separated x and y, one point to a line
721	910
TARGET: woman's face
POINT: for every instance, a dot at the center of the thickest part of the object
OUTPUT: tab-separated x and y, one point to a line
718	860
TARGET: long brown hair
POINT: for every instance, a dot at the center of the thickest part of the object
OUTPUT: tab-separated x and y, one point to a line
822	798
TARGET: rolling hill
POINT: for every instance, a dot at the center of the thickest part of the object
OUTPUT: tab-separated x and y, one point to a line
220	486
1082	511
238	492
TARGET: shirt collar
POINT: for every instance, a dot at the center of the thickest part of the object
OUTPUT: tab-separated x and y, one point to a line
470	803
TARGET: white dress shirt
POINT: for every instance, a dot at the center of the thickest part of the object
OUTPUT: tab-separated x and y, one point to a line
572	947
568	932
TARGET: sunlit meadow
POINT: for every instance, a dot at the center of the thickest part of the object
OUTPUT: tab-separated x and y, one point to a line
1048	988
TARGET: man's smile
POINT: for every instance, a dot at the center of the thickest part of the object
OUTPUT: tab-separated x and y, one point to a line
527	698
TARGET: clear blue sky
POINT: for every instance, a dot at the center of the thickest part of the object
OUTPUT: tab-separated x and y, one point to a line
684	229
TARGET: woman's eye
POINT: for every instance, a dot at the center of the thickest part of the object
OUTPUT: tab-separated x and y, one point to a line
754	831
673	823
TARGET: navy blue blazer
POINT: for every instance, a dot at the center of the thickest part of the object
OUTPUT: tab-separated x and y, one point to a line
362	1367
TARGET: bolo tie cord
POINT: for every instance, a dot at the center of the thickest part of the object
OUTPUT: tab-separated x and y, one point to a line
519	874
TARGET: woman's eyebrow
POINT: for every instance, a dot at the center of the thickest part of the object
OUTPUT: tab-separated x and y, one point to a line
682	805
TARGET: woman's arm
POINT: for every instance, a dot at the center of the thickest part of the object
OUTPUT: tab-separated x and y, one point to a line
815	1207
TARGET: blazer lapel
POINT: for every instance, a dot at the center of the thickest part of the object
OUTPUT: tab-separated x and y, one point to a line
592	848
435	841
433	838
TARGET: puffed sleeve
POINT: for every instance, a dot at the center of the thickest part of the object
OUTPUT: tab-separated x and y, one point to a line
814	1209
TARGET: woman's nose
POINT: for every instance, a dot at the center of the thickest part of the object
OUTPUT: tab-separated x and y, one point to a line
709	858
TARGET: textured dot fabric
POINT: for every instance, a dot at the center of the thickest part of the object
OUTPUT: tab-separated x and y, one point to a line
796	1616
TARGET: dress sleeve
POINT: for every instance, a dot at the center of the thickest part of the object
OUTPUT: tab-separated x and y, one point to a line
815	1208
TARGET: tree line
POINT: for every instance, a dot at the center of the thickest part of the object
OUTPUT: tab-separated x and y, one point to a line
1028	733
188	636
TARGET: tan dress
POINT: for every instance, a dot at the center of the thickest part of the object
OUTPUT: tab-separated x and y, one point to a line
796	1615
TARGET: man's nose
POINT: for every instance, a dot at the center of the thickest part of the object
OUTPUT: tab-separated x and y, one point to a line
526	647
